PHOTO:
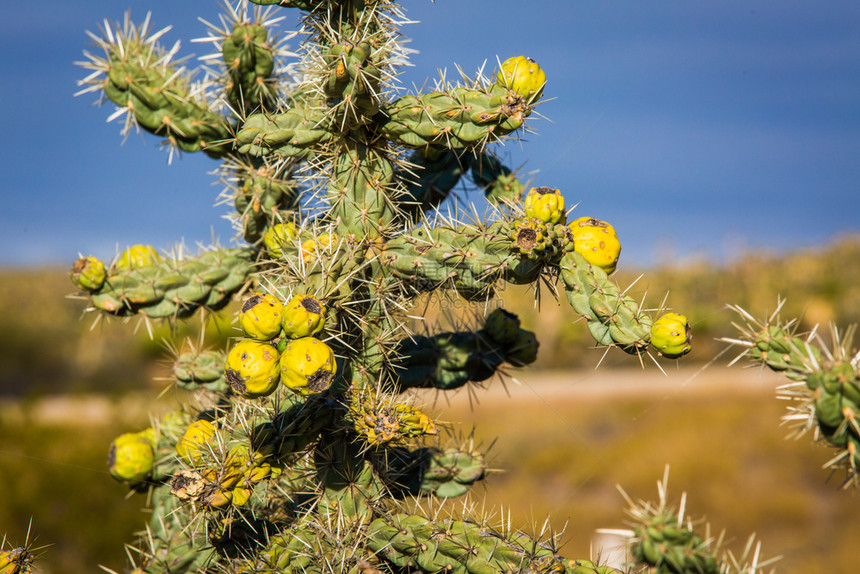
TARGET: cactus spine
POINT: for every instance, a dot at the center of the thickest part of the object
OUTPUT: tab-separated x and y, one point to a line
302	444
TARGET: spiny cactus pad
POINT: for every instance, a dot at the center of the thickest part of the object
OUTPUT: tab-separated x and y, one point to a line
302	446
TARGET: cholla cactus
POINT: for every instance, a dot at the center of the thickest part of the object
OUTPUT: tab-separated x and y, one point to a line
302	450
664	540
824	391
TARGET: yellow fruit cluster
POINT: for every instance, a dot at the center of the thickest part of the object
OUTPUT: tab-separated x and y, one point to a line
281	347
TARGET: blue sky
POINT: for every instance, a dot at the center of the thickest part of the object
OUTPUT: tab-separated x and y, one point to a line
696	128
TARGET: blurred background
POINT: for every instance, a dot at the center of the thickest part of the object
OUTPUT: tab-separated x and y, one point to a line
721	141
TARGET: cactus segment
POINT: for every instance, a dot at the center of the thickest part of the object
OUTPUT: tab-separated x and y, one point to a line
292	133
175	288
428	471
499	184
137	75
194	370
359	193
613	317
432	174
250	61
825	392
455	119
450	360
262	195
460	547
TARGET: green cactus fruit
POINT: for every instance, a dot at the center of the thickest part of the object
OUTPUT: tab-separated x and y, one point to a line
252	369
135	257
278	237
307	366
671	335
192	445
524	349
455	119
502	326
88	273
546	204
597	242
522	75
260	316
303	316
131	457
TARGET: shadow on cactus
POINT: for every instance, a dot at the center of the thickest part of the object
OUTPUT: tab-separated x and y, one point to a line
304	442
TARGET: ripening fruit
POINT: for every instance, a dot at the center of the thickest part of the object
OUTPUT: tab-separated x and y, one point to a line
260	316
522	75
597	242
546	204
131	457
671	335
307	366
192	443
252	369
322	245
277	237
303	316
503	326
15	561
88	273
135	257
524	349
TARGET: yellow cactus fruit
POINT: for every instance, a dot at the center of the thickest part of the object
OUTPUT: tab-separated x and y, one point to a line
303	316
260	316
522	75
88	273
319	246
307	366
241	496
671	335
597	242
131	457
192	444
546	204
252	369
135	257
15	561
277	237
